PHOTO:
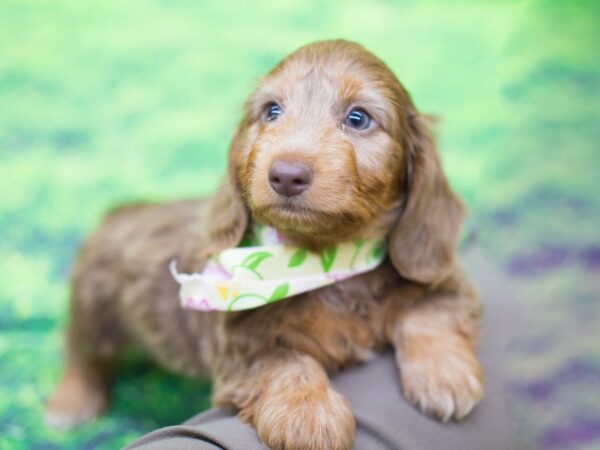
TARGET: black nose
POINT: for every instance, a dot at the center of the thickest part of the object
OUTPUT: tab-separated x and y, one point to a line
289	178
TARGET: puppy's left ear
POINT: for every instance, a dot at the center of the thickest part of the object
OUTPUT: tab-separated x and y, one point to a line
422	246
227	217
224	219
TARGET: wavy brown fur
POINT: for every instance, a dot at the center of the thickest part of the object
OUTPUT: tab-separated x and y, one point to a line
272	363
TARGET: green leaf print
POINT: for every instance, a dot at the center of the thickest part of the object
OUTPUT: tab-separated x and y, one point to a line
252	297
376	252
327	258
357	246
279	292
254	259
297	258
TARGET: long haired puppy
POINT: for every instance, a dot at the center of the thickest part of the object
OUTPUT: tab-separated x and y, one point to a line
330	149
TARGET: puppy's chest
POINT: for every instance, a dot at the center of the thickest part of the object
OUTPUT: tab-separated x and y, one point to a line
338	324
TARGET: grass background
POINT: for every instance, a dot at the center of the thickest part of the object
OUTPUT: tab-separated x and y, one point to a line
105	102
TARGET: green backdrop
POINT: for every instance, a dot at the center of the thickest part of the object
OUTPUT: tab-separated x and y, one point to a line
105	102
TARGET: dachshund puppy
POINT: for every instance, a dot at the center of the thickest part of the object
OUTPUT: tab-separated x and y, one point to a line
363	165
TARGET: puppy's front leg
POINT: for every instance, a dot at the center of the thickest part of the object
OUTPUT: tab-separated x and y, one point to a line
435	351
288	399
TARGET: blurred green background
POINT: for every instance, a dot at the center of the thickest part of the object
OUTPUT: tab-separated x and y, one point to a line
106	102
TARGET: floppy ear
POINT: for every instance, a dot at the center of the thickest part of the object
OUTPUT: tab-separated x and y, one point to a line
422	245
223	222
227	217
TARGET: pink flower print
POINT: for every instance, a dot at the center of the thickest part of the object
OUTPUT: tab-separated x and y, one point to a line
337	276
204	305
216	271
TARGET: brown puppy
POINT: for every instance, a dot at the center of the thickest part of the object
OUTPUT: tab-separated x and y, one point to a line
363	165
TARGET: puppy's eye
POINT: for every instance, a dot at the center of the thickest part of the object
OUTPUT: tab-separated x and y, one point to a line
358	119
272	112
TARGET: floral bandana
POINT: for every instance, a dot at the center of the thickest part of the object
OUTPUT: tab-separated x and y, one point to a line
269	270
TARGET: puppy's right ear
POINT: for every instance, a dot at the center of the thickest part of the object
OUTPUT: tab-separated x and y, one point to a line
223	222
422	246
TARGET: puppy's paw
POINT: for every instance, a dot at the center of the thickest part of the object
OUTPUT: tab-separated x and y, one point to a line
306	422
442	380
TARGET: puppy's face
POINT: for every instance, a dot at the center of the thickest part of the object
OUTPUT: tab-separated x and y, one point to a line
331	148
320	154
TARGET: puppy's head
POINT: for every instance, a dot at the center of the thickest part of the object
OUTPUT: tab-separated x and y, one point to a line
331	148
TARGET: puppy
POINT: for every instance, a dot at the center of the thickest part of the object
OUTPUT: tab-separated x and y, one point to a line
365	166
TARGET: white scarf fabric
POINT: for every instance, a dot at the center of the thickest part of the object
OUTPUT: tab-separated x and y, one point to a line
269	270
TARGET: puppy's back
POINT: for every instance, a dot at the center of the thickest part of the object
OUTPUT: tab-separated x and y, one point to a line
135	237
121	273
